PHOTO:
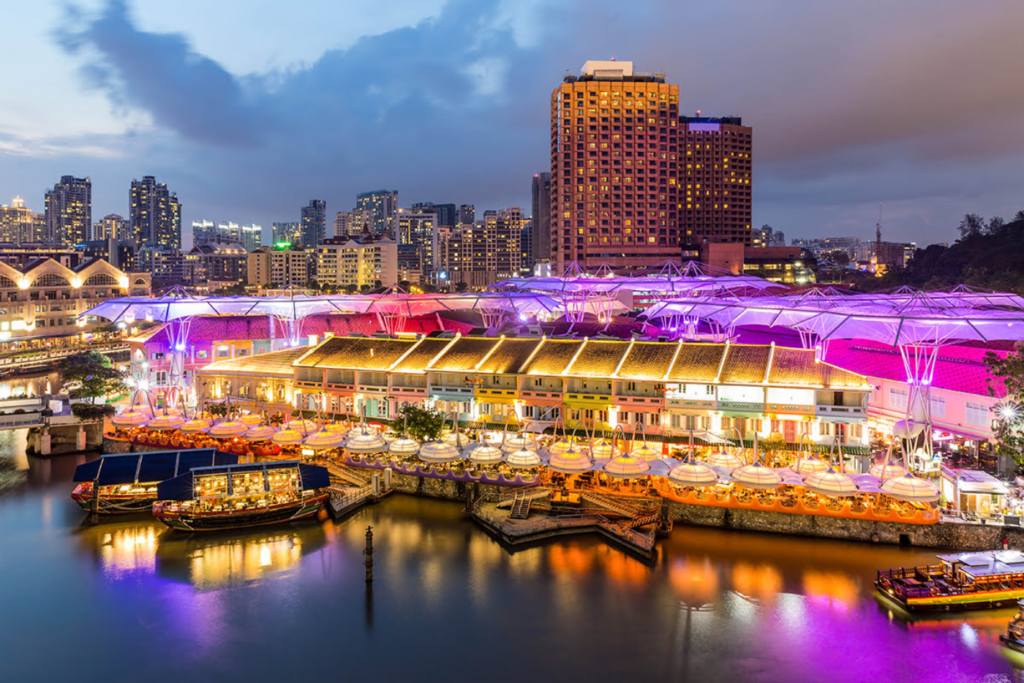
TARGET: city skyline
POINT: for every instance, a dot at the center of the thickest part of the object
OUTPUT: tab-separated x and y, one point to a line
823	161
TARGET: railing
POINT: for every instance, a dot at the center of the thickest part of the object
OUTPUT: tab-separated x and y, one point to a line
344	498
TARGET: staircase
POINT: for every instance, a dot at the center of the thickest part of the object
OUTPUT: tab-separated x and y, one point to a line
349	475
520	506
611	503
643	520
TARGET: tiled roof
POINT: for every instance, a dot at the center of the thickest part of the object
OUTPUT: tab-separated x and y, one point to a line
798	367
275	363
425	352
697	363
958	368
359	353
465	354
553	357
648	360
509	356
599	358
745	364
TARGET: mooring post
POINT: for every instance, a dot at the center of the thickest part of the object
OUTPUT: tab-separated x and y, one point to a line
368	554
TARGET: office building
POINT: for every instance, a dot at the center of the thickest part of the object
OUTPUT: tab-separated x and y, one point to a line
281	266
155	214
16	222
715	170
540	239
313	224
251	236
467	214
286	232
526	247
112	227
358	263
68	211
351	223
614	168
165	265
447	214
480	255
214	262
382	206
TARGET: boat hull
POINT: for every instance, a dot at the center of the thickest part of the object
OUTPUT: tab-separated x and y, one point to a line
114	504
1012	643
219	521
954	603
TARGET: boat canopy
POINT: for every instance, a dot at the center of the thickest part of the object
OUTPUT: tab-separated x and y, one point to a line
131	468
996	562
182	487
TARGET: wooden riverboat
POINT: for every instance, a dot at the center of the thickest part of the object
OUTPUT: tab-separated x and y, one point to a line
240	496
960	582
127	482
1014	636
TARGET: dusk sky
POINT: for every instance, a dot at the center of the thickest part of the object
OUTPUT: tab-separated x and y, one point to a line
249	109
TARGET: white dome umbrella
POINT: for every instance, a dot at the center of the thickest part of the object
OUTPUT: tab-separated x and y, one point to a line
483	453
165	422
910	488
228	428
601	449
251	420
524	457
695	474
831	483
643	452
439	451
195	426
324	439
884	471
287	437
369	441
625	465
341	427
516	443
455	438
260	433
810	463
570	461
404	446
130	418
726	458
756	476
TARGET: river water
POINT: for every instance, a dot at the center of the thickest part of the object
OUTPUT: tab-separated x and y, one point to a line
129	600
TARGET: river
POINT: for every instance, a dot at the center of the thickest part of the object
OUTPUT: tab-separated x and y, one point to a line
129	600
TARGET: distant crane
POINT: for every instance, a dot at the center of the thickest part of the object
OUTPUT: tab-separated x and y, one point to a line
878	238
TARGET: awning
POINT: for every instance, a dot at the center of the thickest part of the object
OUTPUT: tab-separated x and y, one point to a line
130	468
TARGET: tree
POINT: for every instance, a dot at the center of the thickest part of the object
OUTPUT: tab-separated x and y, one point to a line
422	424
90	375
995	225
1008	373
971	226
461	286
1019	216
87	412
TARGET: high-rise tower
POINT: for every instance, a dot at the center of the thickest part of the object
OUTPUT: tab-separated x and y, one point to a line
614	168
313	229
154	214
69	211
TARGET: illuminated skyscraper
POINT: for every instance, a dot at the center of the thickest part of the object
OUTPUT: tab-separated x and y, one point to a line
16	222
382	206
155	214
69	211
715	172
313	225
112	227
540	239
614	168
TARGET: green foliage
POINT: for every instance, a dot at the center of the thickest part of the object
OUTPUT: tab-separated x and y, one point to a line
90	375
87	412
423	424
217	409
771	448
1009	423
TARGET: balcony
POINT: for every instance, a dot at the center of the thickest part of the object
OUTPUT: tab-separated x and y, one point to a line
851	412
692	403
640	401
484	394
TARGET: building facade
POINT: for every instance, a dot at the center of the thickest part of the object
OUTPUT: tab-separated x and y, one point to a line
540	240
112	227
218	262
154	214
478	256
313	224
360	263
382	208
69	211
286	232
16	222
281	266
715	167
251	236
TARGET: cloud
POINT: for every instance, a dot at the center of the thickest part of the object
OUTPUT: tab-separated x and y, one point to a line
851	103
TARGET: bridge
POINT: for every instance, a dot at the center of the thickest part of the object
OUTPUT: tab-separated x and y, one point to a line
44	357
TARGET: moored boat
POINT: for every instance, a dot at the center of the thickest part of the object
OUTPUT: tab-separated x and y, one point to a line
961	581
127	482
1014	636
239	496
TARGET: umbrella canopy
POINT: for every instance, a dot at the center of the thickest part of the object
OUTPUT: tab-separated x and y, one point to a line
693	474
910	488
516	443
228	428
725	459
404	446
809	465
287	437
830	483
891	471
757	476
324	439
645	452
484	453
627	466
369	441
165	422
560	446
195	426
251	420
439	451
130	418
260	433
340	427
455	439
524	457
570	460
601	449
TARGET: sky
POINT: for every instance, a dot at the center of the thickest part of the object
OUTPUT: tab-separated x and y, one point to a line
247	110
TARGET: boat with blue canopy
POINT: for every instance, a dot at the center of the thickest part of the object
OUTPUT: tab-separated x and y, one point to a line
127	482
238	496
